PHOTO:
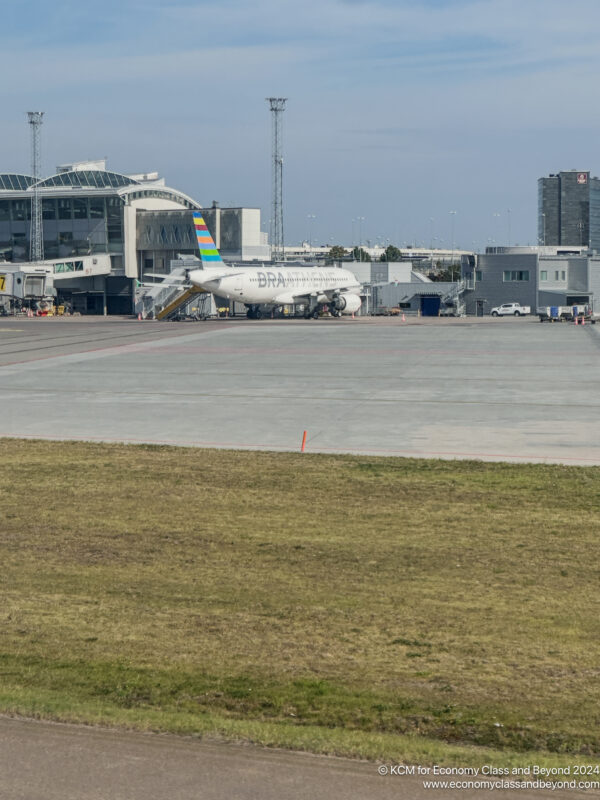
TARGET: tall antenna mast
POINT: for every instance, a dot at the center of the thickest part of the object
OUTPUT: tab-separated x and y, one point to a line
277	106
36	247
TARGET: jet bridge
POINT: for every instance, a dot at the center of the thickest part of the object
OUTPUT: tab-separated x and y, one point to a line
24	284
22	288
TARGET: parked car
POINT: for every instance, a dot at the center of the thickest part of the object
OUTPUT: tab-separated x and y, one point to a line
510	310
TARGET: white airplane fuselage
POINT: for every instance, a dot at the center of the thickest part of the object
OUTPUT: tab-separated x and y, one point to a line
280	285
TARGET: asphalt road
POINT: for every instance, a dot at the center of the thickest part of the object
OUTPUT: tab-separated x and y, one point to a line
47	761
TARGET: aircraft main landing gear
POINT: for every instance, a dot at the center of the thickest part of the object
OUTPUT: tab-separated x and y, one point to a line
312	313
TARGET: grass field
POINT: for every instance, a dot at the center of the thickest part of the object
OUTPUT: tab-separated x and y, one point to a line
391	608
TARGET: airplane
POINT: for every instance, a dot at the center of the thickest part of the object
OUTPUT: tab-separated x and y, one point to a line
312	287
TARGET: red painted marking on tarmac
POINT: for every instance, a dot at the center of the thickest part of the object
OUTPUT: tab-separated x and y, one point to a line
291	448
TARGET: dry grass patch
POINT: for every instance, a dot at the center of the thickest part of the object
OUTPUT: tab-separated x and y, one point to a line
455	600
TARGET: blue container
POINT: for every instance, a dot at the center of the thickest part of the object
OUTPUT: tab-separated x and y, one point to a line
554	312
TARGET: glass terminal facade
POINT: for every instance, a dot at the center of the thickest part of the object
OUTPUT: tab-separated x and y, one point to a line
82	213
72	226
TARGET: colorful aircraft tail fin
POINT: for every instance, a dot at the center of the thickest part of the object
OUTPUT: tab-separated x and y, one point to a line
208	249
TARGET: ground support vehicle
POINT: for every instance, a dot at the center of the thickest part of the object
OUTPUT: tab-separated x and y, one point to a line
566	314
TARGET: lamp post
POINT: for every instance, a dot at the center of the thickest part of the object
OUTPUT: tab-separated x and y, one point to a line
496	217
360	221
452	217
310	218
543	229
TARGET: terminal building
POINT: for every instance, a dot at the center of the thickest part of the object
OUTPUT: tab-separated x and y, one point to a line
531	276
562	270
136	223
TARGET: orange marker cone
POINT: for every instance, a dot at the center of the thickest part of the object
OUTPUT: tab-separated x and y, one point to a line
303	442
140	317
583	320
403	317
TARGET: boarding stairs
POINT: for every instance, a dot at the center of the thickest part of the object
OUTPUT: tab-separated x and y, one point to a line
179	302
167	299
454	298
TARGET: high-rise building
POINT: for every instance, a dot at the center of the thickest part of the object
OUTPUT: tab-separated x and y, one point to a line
569	210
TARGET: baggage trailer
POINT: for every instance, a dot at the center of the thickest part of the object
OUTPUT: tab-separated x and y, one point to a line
566	313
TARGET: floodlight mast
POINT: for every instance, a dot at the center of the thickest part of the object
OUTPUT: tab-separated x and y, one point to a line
277	106
36	245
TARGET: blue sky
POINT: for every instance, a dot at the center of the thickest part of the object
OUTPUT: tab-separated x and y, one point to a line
398	112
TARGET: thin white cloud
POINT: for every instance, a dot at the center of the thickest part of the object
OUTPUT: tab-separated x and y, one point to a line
507	83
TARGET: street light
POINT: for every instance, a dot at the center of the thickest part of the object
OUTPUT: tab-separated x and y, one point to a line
310	218
360	221
495	233
543	229
452	216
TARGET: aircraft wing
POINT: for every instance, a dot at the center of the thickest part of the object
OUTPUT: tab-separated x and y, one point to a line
289	298
330	292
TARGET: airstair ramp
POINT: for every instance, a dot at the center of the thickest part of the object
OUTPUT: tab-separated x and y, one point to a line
184	297
163	299
149	295
454	297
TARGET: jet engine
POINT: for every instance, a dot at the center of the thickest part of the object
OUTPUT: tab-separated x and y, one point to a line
347	303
